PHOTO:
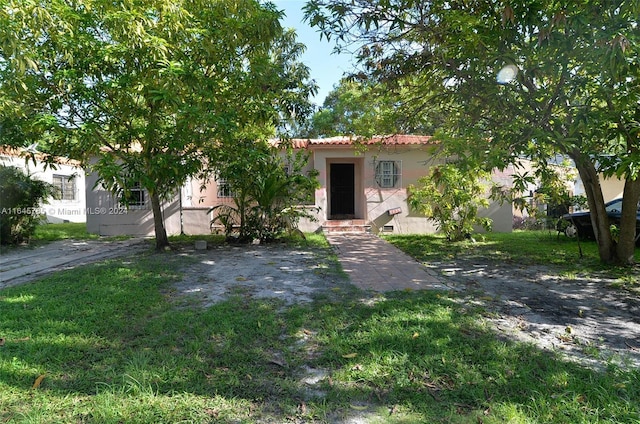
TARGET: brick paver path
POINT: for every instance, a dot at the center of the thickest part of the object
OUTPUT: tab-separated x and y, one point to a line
374	264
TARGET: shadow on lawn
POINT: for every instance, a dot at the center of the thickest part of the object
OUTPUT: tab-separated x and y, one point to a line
112	330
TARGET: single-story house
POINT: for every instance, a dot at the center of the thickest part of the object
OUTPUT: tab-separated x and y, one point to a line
363	187
65	174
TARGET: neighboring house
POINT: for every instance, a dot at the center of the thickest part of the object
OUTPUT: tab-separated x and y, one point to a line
65	174
612	187
363	186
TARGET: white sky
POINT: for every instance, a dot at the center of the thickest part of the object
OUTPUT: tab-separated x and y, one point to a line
326	67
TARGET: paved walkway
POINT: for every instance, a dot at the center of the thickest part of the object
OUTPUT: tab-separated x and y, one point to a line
370	262
374	264
25	263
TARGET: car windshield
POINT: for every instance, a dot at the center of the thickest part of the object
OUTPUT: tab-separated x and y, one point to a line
615	206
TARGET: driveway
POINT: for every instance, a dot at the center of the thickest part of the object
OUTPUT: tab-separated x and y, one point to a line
27	263
583	318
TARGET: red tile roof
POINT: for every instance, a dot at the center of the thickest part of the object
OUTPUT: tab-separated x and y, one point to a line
19	153
390	140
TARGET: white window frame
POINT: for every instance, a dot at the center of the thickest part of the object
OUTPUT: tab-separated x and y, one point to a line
223	189
66	186
388	173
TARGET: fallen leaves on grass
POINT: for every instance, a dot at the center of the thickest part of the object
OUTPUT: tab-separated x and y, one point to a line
38	381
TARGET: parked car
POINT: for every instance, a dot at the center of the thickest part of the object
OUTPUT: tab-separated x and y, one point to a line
579	223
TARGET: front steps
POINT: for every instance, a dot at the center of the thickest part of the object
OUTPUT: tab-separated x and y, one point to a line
346	226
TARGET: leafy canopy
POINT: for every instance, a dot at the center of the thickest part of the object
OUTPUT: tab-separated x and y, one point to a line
143	91
573	88
360	109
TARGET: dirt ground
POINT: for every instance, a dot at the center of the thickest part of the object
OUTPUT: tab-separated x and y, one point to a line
263	271
582	318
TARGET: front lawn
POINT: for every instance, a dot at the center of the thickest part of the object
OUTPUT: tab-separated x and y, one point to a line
520	248
70	230
111	343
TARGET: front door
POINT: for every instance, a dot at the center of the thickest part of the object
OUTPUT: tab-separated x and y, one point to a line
342	190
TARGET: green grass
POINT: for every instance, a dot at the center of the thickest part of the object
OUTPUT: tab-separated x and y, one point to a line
70	230
566	255
47	233
115	345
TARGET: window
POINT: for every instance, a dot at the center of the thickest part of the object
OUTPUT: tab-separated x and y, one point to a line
65	187
224	188
136	197
387	173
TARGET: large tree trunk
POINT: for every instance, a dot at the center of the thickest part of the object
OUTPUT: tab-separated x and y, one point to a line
626	242
158	221
595	199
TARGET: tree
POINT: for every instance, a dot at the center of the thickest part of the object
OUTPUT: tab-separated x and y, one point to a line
20	200
152	90
361	109
520	78
452	199
269	185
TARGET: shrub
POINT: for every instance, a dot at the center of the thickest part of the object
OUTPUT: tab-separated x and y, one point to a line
452	199
267	194
20	200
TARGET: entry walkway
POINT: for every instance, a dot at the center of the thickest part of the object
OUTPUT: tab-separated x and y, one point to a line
25	264
370	262
374	264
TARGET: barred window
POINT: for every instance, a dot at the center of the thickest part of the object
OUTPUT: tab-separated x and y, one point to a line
65	187
137	196
388	173
224	188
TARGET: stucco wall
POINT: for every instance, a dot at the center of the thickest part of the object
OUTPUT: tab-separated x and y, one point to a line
373	203
55	210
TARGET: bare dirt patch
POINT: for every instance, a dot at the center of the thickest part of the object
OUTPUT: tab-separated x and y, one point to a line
583	318
580	316
264	271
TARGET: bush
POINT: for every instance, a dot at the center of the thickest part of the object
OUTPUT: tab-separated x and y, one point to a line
267	194
20	200
452	199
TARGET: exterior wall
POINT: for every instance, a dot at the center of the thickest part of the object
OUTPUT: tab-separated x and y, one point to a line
189	211
373	203
56	211
612	188
107	218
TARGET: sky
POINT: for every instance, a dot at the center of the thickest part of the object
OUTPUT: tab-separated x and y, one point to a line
326	67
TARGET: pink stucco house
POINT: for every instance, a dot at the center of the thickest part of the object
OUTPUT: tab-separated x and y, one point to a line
363	187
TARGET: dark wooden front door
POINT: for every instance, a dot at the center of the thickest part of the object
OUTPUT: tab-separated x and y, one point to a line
342	190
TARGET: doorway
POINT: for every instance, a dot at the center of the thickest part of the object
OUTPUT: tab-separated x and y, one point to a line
342	191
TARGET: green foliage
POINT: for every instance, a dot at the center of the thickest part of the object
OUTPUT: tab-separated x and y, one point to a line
574	89
360	109
20	200
147	93
452	198
270	189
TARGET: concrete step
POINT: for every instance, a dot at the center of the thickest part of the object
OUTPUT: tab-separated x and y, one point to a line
342	226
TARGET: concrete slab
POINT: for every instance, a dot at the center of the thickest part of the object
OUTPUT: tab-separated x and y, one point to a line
27	263
374	264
